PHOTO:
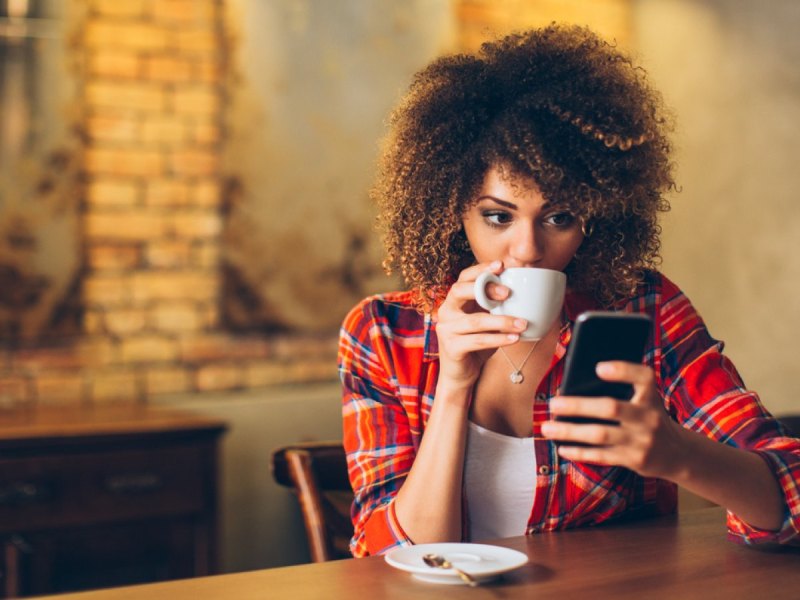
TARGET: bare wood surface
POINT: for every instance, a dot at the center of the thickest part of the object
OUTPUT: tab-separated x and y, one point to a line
671	557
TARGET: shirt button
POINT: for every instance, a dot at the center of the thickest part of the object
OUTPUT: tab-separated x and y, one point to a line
544	470
541	397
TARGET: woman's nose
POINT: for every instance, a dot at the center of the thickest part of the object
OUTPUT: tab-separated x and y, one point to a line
526	247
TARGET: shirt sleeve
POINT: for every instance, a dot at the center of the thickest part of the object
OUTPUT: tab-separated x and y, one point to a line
376	433
705	393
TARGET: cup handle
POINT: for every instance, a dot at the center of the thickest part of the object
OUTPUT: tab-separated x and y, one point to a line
480	290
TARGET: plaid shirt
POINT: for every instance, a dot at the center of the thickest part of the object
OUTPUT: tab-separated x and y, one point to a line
388	363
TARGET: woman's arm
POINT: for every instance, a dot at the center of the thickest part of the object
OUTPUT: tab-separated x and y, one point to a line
428	505
650	443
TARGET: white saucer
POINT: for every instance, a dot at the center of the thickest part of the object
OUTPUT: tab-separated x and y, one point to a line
482	561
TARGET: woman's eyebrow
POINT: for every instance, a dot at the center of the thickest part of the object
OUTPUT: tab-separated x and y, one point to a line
498	201
508	204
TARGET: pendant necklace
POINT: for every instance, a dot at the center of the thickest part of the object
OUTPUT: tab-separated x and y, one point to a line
516	375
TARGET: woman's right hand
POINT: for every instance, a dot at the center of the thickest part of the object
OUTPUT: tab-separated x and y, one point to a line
468	335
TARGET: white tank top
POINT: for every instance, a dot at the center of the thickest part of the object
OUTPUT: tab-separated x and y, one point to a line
499	483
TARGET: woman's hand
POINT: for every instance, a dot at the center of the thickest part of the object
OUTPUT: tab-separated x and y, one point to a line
646	440
467	334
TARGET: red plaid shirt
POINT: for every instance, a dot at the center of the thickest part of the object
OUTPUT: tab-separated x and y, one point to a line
388	363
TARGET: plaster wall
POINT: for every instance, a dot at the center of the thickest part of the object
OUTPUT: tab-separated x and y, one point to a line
728	68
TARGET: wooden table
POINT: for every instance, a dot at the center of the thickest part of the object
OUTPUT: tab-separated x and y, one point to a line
671	557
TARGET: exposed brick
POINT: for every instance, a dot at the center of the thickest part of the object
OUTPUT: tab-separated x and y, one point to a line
167	192
123	162
176	317
206	255
115	386
106	290
211	316
166	285
217	347
114	256
124	225
104	34
219	377
201	41
148	348
15	391
60	388
184	11
119	127
126	95
206	133
167	380
168	69
125	321
167	130
121	64
196	101
206	193
115	8
97	351
169	254
208	70
94	321
112	192
197	224
194	162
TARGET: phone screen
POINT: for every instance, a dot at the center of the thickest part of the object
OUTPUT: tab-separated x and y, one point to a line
600	336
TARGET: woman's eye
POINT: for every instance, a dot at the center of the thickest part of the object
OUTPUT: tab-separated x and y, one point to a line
496	218
562	220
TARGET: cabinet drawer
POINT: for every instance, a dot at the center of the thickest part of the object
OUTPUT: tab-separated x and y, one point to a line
38	492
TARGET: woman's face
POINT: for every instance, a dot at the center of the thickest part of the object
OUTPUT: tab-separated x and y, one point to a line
511	221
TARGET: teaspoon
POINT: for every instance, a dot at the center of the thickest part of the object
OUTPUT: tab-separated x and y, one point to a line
436	560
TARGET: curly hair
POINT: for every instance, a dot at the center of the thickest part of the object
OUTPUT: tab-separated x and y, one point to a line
559	105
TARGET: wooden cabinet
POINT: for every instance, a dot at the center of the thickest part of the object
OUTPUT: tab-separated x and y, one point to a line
106	496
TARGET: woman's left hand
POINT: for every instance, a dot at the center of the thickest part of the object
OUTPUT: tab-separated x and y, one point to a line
645	439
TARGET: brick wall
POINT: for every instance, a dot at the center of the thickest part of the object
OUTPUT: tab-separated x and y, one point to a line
152	76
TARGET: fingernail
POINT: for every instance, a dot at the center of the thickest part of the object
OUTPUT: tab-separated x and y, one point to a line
547	429
513	337
495	265
520	323
556	404
604	368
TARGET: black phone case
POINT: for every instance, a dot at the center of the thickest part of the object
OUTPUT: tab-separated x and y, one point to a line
599	336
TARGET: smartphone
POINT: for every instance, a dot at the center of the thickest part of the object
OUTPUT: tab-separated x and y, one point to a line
600	336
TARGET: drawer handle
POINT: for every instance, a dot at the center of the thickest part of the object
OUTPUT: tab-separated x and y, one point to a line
23	493
133	483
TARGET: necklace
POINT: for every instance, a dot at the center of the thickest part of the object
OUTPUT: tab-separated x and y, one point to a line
516	375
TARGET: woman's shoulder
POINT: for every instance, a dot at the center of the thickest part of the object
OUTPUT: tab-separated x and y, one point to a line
392	309
655	288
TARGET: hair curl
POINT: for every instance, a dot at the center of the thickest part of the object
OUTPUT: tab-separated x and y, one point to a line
558	105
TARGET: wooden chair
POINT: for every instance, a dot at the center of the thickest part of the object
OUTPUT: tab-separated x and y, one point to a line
317	473
791	422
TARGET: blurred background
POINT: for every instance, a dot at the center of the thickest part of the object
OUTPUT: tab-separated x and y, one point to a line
184	218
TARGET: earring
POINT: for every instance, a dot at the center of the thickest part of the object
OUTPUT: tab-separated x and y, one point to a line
587	228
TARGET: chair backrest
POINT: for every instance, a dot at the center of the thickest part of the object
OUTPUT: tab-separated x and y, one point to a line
317	473
792	423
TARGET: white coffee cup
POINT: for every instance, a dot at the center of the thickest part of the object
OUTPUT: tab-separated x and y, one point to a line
537	296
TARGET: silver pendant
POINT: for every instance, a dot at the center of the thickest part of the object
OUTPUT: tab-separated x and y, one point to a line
516	377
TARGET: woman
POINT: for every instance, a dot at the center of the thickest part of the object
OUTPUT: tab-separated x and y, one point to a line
547	149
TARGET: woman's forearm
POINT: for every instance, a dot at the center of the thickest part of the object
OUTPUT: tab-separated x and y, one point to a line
428	506
736	479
